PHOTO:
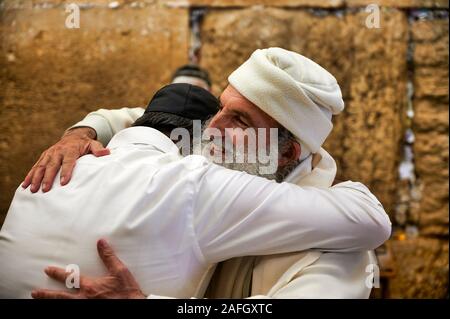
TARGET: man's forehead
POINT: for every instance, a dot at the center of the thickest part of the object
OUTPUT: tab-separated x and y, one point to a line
238	104
230	97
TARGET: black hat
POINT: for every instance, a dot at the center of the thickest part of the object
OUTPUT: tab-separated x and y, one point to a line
182	100
194	71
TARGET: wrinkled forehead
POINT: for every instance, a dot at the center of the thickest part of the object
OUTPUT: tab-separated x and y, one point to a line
234	102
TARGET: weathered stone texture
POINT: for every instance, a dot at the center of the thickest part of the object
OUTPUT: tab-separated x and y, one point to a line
52	76
422	268
431	44
314	3
373	122
246	3
400	3
82	3
367	136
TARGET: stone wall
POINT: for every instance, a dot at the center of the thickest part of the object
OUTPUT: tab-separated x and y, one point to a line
52	76
430	125
423	261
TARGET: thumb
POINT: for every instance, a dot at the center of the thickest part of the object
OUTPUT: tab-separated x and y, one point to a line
97	149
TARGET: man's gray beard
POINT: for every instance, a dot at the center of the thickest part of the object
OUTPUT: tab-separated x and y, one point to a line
252	168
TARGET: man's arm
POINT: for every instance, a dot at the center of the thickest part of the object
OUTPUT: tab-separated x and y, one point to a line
86	137
237	214
107	123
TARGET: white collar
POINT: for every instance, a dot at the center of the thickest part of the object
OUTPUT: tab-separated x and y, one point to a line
322	175
143	135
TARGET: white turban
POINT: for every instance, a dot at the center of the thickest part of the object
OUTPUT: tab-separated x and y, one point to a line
295	91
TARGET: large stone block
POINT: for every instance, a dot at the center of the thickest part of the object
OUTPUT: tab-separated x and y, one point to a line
431	147
367	136
313	3
422	268
431	43
373	122
52	76
113	4
431	83
240	3
400	3
431	150
429	31
430	115
246	3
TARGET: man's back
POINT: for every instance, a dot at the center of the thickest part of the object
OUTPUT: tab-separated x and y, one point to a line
129	198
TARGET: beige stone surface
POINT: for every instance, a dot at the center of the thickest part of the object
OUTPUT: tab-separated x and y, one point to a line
83	3
314	3
52	76
422	268
367	136
373	123
400	3
430	123
246	3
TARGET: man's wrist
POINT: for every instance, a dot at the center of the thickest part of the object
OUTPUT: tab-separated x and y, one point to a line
82	131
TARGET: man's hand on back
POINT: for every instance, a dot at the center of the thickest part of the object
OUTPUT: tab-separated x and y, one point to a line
119	283
72	145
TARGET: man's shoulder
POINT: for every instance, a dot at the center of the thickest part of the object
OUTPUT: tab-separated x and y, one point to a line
349	184
359	187
193	163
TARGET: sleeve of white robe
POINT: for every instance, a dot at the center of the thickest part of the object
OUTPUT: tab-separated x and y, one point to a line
237	214
108	122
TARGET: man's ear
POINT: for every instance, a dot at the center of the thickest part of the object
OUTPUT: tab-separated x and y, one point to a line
291	154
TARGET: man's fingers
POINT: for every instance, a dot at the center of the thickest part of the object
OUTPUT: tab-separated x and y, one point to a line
38	173
68	165
27	181
56	273
97	149
52	294
51	171
111	261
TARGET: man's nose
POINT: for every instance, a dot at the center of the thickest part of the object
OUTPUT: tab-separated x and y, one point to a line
218	122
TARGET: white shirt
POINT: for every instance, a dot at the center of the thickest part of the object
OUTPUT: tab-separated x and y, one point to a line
170	219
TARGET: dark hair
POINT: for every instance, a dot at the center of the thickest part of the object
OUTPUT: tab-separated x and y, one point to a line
193	70
285	138
164	122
